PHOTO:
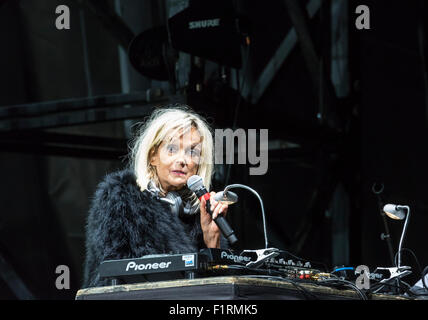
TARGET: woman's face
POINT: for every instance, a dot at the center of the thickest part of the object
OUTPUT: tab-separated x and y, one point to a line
177	160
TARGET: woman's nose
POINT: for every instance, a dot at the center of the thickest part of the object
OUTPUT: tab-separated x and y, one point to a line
181	158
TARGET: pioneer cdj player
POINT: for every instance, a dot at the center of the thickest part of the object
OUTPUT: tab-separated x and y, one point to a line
207	262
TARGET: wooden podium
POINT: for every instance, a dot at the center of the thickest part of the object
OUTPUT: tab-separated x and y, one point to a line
223	288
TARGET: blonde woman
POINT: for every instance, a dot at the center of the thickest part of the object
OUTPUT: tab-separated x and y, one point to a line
131	214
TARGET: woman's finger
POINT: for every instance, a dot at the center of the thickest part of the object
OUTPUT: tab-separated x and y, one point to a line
202	204
216	208
224	210
213	202
204	214
219	209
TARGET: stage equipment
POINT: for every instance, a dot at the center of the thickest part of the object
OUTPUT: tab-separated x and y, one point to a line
208	29
209	262
227	197
421	287
392	273
378	189
398	212
152	56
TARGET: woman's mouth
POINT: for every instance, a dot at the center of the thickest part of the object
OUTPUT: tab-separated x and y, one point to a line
178	173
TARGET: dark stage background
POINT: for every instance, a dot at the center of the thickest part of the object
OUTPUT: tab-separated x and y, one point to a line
345	108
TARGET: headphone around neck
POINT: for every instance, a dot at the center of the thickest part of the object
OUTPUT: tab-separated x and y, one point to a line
174	200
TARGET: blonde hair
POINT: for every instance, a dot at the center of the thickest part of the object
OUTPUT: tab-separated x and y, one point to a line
165	123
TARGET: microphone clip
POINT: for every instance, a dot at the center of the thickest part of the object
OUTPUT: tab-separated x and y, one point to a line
261	256
395	273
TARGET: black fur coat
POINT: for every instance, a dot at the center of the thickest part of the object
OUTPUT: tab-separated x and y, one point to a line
124	222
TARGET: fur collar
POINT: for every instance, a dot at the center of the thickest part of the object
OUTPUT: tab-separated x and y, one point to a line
124	222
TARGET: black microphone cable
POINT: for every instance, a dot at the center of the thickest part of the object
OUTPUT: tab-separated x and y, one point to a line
338	282
270	274
423	273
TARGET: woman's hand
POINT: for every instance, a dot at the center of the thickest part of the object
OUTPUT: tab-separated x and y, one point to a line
209	227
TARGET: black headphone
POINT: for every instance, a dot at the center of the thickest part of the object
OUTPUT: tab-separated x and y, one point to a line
175	201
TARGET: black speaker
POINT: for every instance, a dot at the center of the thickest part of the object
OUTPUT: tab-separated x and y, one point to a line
208	29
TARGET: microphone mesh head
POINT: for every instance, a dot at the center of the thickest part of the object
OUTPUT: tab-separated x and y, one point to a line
195	183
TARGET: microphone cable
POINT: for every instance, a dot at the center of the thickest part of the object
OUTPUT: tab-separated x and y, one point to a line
423	273
338	282
238	185
269	274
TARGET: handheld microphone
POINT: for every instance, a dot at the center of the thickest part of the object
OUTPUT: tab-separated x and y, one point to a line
196	185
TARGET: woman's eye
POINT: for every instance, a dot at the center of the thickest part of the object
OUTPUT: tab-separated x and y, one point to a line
171	148
195	152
